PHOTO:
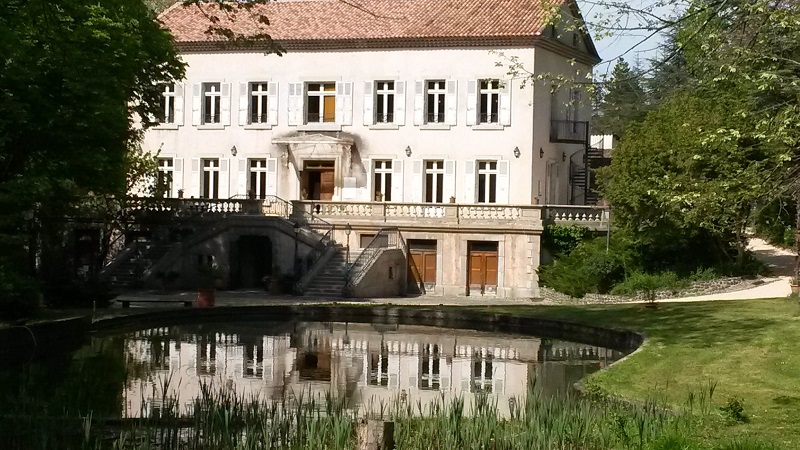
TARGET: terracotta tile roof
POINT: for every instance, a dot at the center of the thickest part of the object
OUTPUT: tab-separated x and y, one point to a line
327	20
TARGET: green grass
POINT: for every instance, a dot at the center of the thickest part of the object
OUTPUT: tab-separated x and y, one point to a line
750	348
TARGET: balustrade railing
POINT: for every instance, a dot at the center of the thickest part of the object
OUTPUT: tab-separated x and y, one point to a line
577	214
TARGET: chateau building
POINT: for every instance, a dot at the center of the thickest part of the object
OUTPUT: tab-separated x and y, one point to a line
434	118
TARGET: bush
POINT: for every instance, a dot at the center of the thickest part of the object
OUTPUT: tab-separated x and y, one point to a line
19	295
639	281
588	268
561	240
79	294
733	411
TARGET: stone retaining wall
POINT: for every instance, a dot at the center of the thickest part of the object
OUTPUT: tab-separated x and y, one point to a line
718	286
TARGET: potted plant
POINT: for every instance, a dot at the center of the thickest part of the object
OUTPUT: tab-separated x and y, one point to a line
794	283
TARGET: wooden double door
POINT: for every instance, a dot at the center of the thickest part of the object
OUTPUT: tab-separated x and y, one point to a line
422	262
482	271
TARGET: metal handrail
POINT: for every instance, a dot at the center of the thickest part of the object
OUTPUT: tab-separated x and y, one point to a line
357	271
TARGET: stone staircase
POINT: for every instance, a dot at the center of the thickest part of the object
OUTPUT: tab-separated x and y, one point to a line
330	281
128	274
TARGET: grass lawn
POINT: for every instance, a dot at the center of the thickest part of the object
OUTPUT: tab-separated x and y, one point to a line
750	348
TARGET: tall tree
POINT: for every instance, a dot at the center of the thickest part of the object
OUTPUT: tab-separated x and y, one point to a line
621	103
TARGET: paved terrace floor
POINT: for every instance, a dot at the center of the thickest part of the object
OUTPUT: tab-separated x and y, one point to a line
780	262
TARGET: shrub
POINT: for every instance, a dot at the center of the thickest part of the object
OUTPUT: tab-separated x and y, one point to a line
79	294
588	268
638	282
561	240
733	411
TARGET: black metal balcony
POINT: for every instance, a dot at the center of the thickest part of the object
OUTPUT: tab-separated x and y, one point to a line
569	131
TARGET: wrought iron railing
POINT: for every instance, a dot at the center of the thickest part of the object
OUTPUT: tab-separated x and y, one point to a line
384	239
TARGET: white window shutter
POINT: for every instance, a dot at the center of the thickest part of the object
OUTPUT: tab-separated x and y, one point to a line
241	179
451	102
295	103
195	188
369	99
419	102
505	103
469	181
449	179
177	176
225	104
272	176
400	103
179	104
344	102
224	178
197	105
397	180
416	181
244	102
502	181
272	103
472	102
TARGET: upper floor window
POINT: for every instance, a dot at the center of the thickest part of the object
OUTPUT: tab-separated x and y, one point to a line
212	102
435	101
210	180
489	101
258	178
321	103
168	104
259	95
384	102
382	180
434	181
487	181
166	169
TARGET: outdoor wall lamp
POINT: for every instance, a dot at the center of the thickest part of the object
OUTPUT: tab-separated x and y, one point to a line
234	151
563	156
516	152
541	152
408	151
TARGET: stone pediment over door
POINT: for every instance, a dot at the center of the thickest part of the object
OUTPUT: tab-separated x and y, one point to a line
302	148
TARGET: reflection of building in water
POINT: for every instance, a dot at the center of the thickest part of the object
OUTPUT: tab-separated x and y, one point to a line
367	364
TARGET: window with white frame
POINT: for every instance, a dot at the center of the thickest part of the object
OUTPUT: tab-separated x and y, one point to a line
482	370
212	101
258	178
258	102
168	104
434	181
382	180
435	101
210	187
489	101
320	102
166	169
384	101
487	181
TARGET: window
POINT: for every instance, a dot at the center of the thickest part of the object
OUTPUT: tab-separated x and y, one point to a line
258	178
321	101
165	172
258	102
434	181
168	104
384	108
210	178
487	181
482	371
435	101
382	181
430	376
489	101
212	99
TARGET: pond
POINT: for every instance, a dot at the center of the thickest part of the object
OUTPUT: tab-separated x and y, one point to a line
141	373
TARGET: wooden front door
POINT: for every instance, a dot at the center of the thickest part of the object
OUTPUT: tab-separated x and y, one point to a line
482	271
326	185
425	262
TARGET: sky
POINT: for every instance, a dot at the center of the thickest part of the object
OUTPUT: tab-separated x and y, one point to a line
628	43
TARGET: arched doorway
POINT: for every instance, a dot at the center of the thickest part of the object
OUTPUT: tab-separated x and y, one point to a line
252	261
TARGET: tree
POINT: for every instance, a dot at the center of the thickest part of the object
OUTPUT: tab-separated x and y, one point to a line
622	102
75	76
